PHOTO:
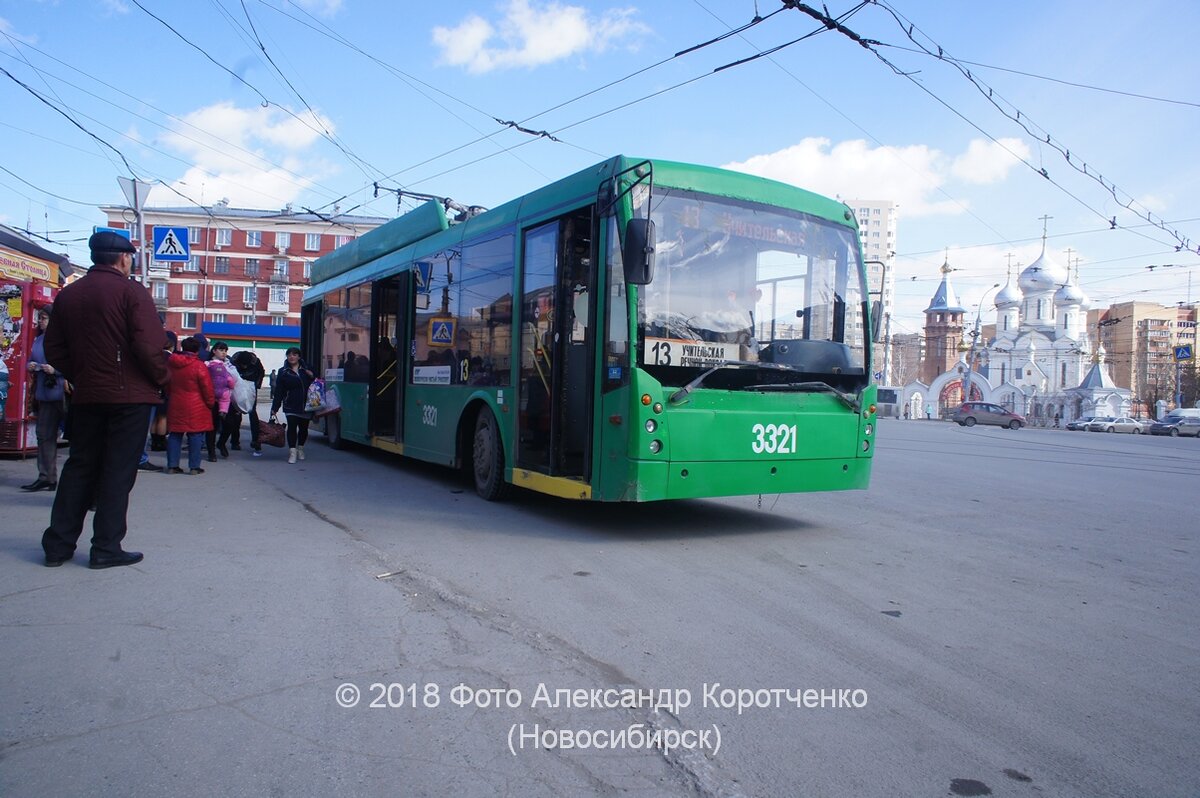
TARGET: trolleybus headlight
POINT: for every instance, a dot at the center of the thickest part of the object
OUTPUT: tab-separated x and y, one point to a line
651	425
866	446
658	407
868	429
655	446
646	399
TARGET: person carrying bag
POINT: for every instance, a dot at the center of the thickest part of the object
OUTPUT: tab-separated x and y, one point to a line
292	381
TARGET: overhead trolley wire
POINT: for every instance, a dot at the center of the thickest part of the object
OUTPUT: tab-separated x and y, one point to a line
1041	135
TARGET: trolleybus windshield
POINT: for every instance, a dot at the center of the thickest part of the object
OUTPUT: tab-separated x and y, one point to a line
742	283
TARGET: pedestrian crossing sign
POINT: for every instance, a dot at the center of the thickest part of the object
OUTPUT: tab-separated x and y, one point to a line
423	273
171	244
441	332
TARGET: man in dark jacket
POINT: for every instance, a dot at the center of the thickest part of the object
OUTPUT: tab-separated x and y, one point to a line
106	338
250	368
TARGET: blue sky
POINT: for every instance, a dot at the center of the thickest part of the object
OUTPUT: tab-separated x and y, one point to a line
356	92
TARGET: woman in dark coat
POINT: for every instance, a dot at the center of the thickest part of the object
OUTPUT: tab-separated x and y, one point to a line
189	411
290	392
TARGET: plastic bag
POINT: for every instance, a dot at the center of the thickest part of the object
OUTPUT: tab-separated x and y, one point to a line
316	396
332	403
244	394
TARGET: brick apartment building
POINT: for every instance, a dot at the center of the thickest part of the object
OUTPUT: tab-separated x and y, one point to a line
245	267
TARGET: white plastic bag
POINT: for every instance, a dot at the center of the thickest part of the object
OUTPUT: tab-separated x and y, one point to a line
244	394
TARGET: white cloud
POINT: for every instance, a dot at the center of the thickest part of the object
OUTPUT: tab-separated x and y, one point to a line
116	6
1154	203
855	170
530	35
7	30
911	176
247	155
989	161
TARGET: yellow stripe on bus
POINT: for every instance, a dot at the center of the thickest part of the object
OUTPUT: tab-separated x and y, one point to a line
554	486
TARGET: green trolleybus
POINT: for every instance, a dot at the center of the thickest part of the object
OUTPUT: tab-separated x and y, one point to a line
641	330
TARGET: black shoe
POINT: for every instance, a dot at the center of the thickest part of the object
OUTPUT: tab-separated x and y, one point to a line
148	466
224	452
237	447
54	562
112	561
39	484
175	470
212	458
195	471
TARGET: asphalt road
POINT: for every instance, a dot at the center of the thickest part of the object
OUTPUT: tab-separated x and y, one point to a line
1012	609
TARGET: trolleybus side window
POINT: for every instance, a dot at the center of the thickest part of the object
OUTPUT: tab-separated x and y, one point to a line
355	364
484	314
333	336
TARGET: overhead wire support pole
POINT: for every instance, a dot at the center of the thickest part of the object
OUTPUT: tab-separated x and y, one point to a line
966	384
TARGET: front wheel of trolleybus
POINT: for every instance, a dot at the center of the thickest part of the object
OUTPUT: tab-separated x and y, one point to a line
487	458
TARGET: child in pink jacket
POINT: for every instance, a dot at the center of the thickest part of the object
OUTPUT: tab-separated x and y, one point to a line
223	381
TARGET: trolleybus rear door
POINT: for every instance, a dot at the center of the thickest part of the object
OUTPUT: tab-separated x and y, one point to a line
389	324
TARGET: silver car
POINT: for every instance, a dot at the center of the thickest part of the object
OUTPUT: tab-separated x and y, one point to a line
1175	425
1116	424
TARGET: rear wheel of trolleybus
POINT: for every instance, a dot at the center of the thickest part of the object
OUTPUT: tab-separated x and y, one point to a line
487	458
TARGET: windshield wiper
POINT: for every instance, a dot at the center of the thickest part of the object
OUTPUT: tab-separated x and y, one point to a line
682	393
850	400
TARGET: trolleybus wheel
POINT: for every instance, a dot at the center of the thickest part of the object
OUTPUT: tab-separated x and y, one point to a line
487	458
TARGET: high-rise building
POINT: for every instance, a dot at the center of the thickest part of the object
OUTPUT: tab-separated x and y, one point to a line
1139	340
877	230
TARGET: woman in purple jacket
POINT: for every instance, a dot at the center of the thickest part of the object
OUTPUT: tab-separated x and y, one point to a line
222	382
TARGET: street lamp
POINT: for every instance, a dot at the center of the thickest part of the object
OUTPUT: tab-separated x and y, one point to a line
966	384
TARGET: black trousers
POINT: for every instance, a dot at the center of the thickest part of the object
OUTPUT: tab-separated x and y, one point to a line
254	444
106	442
230	426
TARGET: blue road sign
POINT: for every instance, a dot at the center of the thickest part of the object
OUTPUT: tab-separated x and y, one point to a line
121	231
441	332
1183	352
171	244
423	270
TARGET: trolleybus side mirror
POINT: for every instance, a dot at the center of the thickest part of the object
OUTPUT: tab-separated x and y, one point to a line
876	319
639	251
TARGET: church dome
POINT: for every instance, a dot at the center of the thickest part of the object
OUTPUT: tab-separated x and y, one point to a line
1069	294
1008	297
1042	275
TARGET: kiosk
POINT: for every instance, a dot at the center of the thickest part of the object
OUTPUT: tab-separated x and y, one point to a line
29	279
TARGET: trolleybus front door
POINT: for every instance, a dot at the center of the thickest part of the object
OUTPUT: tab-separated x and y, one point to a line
389	324
554	423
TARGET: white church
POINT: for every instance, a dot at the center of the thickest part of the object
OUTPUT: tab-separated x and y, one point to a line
1041	362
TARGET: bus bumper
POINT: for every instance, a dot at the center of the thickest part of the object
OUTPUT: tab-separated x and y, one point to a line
691	480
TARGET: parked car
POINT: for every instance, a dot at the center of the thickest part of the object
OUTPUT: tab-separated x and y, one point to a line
971	413
1080	424
1176	426
1116	424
